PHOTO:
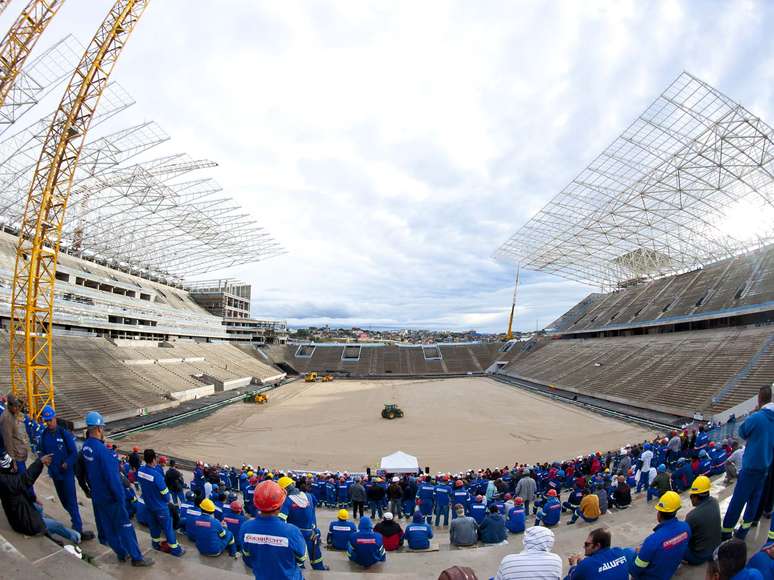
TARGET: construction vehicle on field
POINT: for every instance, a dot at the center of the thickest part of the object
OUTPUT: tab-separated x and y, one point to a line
313	377
257	398
391	411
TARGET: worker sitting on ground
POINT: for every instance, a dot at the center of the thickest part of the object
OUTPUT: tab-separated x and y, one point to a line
622	495
210	536
492	529
419	533
339	531
464	529
588	509
549	514
233	518
662	551
660	484
392	533
517	516
365	546
270	546
704	520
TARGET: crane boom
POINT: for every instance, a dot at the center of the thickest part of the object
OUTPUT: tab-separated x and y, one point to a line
37	249
509	334
21	38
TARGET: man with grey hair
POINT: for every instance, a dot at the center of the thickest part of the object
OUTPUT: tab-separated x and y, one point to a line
357	493
535	561
526	489
463	530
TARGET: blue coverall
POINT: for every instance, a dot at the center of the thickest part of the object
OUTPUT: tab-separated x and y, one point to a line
442	497
211	537
299	510
157	499
107	497
61	444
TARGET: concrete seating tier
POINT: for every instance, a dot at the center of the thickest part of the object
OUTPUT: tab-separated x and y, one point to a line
743	281
675	373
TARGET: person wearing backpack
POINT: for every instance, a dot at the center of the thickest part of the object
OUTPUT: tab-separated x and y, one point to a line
60	443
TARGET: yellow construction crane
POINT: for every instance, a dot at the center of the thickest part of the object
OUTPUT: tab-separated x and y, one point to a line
3	5
37	249
21	38
509	334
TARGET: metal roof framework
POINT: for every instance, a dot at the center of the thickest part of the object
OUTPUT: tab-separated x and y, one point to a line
143	217
655	202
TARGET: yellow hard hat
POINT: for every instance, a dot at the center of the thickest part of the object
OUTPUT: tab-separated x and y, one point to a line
285	481
700	485
343	515
207	506
270	475
250	474
668	503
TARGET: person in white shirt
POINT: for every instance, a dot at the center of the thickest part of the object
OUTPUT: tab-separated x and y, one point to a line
536	561
734	462
646	457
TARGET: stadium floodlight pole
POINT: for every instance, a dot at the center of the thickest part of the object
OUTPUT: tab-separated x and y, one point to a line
37	251
21	38
509	334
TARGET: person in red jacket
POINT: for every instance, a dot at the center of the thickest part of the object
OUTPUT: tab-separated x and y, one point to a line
392	533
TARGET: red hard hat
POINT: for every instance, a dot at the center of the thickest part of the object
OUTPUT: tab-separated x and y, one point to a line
135	449
508	496
236	507
712	444
458	483
269	496
518	501
552	492
163	460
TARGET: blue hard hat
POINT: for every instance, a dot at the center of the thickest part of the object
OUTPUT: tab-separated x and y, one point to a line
662	468
94	419
647	446
47	413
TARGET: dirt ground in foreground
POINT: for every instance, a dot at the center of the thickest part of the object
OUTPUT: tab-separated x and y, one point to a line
450	425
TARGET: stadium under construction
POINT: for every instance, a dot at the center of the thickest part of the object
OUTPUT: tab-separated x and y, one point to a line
109	296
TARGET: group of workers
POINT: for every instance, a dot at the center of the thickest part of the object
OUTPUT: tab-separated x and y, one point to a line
270	517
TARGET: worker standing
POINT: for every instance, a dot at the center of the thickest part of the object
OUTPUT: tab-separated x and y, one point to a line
298	509
426	495
273	548
60	443
460	496
107	494
157	498
442	498
13	434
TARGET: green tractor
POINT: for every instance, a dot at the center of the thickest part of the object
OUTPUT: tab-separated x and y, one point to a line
391	411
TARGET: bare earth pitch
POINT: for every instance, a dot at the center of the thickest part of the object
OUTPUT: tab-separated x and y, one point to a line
450	425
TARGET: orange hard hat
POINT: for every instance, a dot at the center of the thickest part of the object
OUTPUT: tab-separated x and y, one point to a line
552	492
135	449
269	496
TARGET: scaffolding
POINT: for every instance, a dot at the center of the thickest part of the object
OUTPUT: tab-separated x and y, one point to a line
160	219
660	199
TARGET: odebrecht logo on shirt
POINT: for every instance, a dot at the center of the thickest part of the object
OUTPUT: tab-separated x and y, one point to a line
266	539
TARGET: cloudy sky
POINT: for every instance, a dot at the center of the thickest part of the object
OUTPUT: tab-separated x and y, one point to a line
392	146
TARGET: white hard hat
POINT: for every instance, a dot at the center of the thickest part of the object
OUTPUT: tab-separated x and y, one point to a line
395	479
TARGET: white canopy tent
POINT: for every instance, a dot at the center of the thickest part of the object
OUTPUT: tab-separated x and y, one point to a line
400	462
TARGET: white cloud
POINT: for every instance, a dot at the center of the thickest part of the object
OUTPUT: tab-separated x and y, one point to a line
392	146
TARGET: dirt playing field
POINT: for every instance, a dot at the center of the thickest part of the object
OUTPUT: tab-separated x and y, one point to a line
450	425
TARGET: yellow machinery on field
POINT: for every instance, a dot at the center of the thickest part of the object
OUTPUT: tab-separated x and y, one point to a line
310	377
327	378
261	399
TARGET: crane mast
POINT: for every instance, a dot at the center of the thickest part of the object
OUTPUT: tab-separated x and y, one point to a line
37	248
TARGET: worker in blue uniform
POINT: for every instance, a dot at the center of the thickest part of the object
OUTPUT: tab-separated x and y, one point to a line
107	494
460	496
366	546
298	509
59	442
271	547
442	500
516	517
339	531
758	432
233	518
478	509
418	533
551	510
426	495
662	551
185	505
210	536
601	561
157	498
